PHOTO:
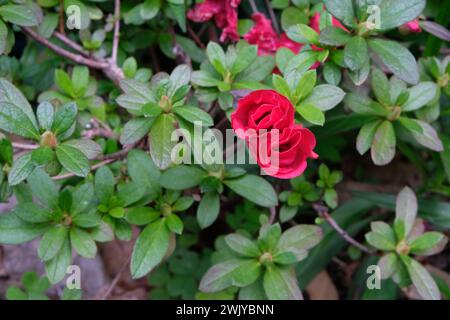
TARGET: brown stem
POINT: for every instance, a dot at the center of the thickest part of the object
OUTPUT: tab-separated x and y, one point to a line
272	16
93	168
67	41
273	215
24	146
107	66
115	46
195	37
253	5
116	279
323	213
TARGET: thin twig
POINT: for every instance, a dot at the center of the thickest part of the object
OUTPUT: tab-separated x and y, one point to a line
64	39
63	52
323	213
115	46
110	69
93	168
272	16
195	37
24	146
116	279
253	5
273	215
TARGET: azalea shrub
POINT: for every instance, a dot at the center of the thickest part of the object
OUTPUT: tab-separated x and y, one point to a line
215	149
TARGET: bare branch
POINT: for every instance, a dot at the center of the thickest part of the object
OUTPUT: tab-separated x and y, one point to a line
115	46
323	213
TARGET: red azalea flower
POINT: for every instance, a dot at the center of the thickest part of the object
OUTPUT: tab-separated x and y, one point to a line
262	110
283	154
267	40
265	119
412	26
224	13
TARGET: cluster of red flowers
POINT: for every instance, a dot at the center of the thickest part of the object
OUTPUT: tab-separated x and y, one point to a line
265	120
223	11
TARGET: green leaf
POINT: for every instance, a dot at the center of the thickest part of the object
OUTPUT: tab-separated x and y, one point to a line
258	70
332	73
149	9
377	240
381	87
342	10
150	248
406	208
281	85
182	177
14	120
325	97
10	94
21	169
311	113
143	170
300	237
302	33
32	213
255	189
428	137
411	125
25	15
52	242
135	129
88	147
247	273
245	57
429	243
174	223
216	56
43	188
421	279
281	284
242	245
364	105
104	184
383	144
64	118
180	76
366	135
204	79
73	160
388	265
219	276
142	216
397	58
420	95
14	230
56	268
129	67
385	230
45	114
194	115
394	13
356	53
83	243
3	37
305	85
64	83
335	37
208	210
80	80
161	144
